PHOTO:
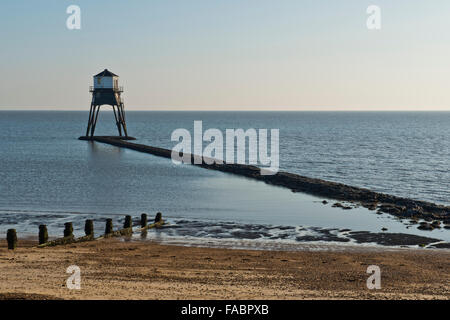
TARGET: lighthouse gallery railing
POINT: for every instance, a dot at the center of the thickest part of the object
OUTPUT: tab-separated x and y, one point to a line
116	89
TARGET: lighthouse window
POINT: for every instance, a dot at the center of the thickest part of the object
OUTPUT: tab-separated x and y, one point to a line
99	80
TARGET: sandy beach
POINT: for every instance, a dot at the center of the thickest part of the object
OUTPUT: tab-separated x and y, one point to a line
118	269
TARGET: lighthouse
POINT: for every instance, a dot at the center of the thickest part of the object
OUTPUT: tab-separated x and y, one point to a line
106	91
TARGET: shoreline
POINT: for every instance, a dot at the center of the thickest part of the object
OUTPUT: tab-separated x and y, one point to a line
118	269
31	241
403	208
257	237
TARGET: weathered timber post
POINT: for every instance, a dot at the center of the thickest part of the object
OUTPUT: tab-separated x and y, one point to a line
11	237
128	222
144	220
109	226
158	217
89	227
43	234
68	229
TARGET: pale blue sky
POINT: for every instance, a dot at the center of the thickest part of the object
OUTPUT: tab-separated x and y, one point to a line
228	55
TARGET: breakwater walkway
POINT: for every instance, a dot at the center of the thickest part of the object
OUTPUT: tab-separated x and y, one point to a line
397	206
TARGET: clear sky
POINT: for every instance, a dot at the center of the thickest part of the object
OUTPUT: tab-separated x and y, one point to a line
228	54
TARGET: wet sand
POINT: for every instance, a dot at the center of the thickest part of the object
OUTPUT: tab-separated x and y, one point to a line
118	269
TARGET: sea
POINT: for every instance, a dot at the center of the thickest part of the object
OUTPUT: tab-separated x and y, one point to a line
48	176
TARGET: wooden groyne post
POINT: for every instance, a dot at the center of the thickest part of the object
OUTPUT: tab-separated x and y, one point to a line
126	230
109	226
158	223
68	229
11	237
144	223
128	222
89	228
144	220
43	234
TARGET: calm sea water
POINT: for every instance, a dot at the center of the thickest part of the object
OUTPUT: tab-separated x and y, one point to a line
48	176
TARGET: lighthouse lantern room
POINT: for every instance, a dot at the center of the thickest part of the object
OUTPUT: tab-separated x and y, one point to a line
106	80
106	91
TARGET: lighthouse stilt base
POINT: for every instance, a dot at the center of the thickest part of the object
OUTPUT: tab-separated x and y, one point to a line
119	116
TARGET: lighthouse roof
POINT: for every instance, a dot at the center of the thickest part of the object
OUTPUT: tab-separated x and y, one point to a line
106	73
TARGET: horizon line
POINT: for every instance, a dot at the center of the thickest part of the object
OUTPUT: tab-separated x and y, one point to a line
236	109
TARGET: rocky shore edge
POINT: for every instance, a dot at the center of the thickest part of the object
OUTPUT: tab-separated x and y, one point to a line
434	215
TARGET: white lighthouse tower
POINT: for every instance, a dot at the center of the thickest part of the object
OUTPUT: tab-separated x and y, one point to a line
106	91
